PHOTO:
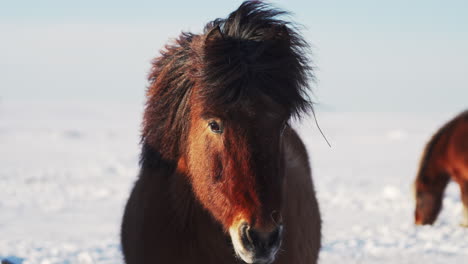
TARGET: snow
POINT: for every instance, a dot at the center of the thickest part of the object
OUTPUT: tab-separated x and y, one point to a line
67	169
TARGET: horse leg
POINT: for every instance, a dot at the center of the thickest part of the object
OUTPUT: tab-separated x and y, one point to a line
464	196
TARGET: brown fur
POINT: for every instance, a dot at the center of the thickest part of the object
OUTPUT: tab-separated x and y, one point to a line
169	225
248	74
445	157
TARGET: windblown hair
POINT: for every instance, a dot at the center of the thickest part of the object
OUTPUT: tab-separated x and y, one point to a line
250	53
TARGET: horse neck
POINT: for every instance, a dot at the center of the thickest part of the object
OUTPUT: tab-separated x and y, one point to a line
433	162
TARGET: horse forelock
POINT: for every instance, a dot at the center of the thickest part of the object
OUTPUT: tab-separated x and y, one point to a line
254	52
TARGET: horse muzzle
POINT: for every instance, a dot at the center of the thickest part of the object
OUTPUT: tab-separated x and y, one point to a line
254	246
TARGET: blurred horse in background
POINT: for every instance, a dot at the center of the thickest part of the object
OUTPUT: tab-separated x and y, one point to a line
445	157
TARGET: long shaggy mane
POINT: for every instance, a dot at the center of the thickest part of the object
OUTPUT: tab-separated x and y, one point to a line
252	52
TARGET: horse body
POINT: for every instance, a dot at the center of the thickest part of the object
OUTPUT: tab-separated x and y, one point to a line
164	222
224	178
302	239
445	158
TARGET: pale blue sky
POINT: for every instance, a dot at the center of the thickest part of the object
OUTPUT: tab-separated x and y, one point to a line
370	55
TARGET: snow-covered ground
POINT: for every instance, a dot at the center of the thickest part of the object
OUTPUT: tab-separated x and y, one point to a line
66	171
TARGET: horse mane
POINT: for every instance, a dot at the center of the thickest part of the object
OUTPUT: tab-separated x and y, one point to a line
429	148
248	54
167	112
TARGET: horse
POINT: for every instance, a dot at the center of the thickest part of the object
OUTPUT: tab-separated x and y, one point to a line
224	178
445	157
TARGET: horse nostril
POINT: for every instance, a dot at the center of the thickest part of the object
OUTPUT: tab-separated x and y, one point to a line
275	237
246	237
276	217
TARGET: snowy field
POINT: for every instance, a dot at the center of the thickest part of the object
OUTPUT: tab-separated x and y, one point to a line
66	171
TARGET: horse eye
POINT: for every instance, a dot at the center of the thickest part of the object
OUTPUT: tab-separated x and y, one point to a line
215	127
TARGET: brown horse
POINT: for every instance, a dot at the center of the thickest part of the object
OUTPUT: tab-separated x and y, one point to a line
224	178
445	157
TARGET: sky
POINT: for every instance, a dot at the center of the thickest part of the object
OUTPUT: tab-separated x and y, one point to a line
368	55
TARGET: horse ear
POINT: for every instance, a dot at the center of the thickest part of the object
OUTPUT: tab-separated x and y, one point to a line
215	33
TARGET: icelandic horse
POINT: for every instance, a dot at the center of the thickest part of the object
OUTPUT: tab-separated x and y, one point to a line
445	157
224	178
